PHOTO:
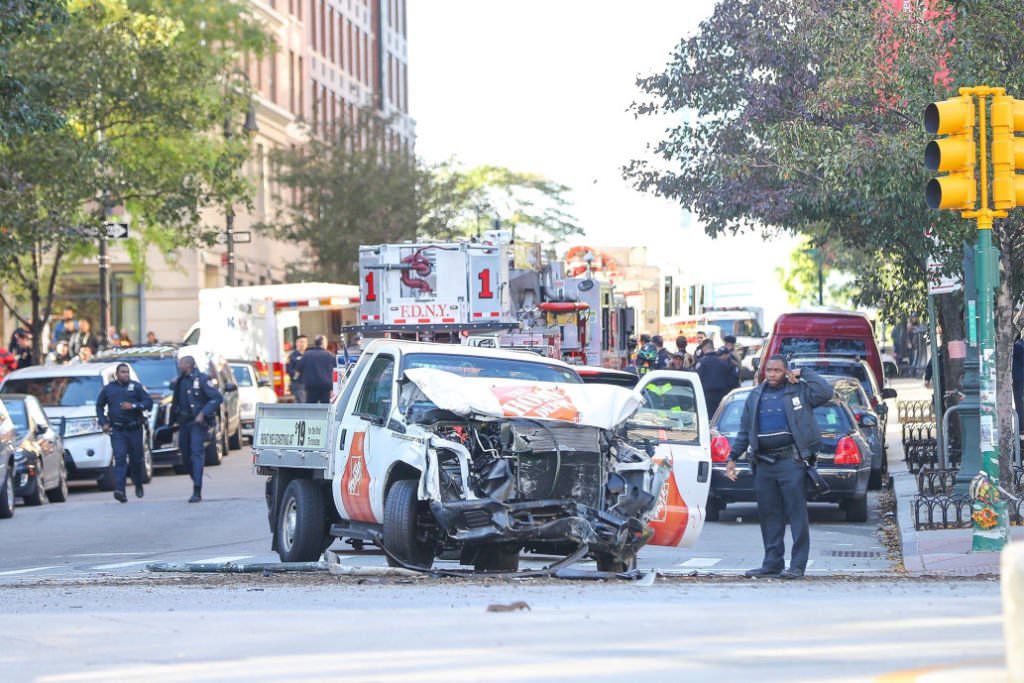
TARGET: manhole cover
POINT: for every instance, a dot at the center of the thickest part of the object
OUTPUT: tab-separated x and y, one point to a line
866	554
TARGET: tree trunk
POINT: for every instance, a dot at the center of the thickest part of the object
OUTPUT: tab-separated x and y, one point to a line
1004	338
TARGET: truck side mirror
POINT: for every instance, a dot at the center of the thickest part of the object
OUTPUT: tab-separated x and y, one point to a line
888	392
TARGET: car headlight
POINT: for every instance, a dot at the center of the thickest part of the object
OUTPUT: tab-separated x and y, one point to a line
79	426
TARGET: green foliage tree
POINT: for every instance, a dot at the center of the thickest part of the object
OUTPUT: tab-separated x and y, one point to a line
807	117
20	106
343	190
139	86
800	280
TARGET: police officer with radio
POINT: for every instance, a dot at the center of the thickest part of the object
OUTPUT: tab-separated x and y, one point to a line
120	409
780	430
193	409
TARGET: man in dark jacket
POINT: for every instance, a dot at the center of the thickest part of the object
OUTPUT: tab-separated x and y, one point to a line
779	428
718	375
196	399
316	370
296	382
119	408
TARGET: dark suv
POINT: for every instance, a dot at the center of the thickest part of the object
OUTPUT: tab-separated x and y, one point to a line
157	366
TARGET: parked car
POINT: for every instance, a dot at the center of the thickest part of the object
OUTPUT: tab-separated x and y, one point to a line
156	366
6	464
844	459
857	369
68	392
251	390
851	392
824	332
591	374
227	430
40	474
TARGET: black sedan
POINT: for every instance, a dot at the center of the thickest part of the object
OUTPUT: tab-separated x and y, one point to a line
40	474
844	459
852	393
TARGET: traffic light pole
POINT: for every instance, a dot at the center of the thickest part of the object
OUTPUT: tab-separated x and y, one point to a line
989	512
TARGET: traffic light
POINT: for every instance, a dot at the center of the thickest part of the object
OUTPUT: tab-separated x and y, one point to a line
1007	152
954	154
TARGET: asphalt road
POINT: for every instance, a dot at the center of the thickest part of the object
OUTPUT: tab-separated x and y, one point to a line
93	535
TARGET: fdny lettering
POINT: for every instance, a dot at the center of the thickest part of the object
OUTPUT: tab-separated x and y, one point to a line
422	310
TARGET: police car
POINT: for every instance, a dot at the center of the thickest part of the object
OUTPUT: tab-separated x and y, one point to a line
68	393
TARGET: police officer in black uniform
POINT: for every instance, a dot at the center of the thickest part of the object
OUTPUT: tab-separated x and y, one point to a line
119	408
193	409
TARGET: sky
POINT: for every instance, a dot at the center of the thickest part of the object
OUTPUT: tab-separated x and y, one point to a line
544	86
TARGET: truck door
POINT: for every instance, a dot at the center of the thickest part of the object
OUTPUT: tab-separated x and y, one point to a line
359	482
674	415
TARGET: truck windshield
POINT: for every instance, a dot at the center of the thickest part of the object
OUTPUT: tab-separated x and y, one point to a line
484	366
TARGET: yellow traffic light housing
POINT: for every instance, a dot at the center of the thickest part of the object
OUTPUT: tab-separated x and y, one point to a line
1007	152
954	154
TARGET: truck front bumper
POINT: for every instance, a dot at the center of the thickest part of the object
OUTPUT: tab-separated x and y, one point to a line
484	521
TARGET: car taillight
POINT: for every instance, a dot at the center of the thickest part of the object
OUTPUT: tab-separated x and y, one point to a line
847	452
277	370
720	449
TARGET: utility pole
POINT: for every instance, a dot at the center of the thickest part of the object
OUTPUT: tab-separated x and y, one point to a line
957	154
104	262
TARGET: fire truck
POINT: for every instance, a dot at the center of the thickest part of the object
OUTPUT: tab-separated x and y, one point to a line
491	292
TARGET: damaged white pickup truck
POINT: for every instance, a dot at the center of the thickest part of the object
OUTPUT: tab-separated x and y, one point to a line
483	453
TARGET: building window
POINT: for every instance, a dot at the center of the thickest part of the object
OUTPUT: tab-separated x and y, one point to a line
331	21
302	91
272	77
312	23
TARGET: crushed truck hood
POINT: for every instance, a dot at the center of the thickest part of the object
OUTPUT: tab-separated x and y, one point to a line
595	405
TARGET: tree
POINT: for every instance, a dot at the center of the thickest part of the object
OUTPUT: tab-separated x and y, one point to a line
351	188
20	108
347	189
808	115
802	279
138	92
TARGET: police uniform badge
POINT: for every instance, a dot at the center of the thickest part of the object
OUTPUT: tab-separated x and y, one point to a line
195	383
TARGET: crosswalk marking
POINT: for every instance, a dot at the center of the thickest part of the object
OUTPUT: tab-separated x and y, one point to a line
700	562
12	572
119	565
219	560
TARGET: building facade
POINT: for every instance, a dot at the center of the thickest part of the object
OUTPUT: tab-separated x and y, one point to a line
334	58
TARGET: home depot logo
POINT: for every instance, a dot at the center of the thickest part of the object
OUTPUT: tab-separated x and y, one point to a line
550	403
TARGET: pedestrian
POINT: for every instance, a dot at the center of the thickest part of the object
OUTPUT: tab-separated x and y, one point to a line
296	381
699	351
120	409
23	353
1018	382
779	430
718	376
151	339
61	354
84	355
123	340
728	350
316	370
663	355
677	361
84	338
193	409
65	327
7	362
646	355
681	344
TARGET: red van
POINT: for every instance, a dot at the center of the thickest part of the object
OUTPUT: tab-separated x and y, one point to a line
820	333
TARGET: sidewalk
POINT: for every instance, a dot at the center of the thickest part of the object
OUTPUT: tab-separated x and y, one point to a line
943	552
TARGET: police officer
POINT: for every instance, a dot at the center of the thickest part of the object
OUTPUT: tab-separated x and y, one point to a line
316	369
195	402
119	408
779	428
297	381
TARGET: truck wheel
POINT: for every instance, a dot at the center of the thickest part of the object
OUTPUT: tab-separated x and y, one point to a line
7	493
401	512
875	480
857	509
499	557
607	563
302	522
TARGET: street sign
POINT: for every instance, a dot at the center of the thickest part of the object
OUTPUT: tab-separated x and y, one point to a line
939	283
116	231
237	237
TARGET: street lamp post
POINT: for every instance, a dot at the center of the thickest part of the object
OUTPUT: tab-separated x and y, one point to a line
249	127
